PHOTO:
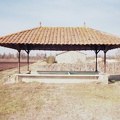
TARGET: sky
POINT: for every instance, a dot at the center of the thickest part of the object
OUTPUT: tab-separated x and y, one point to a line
18	15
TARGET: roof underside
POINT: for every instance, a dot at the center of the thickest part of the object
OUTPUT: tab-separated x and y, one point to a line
61	38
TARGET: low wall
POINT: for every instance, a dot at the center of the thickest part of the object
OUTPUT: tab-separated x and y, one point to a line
61	78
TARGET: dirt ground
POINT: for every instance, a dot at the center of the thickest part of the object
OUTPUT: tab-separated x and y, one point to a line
38	101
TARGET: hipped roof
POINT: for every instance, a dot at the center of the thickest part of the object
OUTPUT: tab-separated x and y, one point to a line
50	38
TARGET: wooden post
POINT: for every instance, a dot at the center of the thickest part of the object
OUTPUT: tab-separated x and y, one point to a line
96	61
28	59
96	52
19	61
105	51
28	51
104	61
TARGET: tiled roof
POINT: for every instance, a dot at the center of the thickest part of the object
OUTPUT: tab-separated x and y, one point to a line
61	36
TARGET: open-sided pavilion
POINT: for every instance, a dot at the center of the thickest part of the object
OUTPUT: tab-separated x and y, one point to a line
61	38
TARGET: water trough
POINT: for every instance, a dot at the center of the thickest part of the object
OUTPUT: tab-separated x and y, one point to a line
62	77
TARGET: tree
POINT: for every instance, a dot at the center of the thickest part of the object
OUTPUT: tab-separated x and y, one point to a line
4	56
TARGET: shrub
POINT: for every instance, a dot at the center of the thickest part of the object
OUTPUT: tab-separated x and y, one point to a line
50	59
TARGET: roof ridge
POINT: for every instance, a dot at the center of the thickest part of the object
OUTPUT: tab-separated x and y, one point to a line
36	28
60	27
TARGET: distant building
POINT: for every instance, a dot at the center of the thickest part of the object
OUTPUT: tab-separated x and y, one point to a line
70	57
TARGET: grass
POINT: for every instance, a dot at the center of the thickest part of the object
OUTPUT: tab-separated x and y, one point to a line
104	93
18	98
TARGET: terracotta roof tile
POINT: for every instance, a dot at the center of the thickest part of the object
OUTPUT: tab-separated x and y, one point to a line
61	36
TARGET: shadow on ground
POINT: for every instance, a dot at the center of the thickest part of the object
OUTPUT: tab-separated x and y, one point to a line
114	78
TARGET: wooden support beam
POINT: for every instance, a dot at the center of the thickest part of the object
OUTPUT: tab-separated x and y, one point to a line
28	60
19	50
104	61
106	48
96	52
28	51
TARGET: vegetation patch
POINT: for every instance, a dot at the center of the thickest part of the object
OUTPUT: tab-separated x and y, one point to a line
50	59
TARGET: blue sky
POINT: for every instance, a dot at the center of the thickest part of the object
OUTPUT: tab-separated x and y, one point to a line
18	15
